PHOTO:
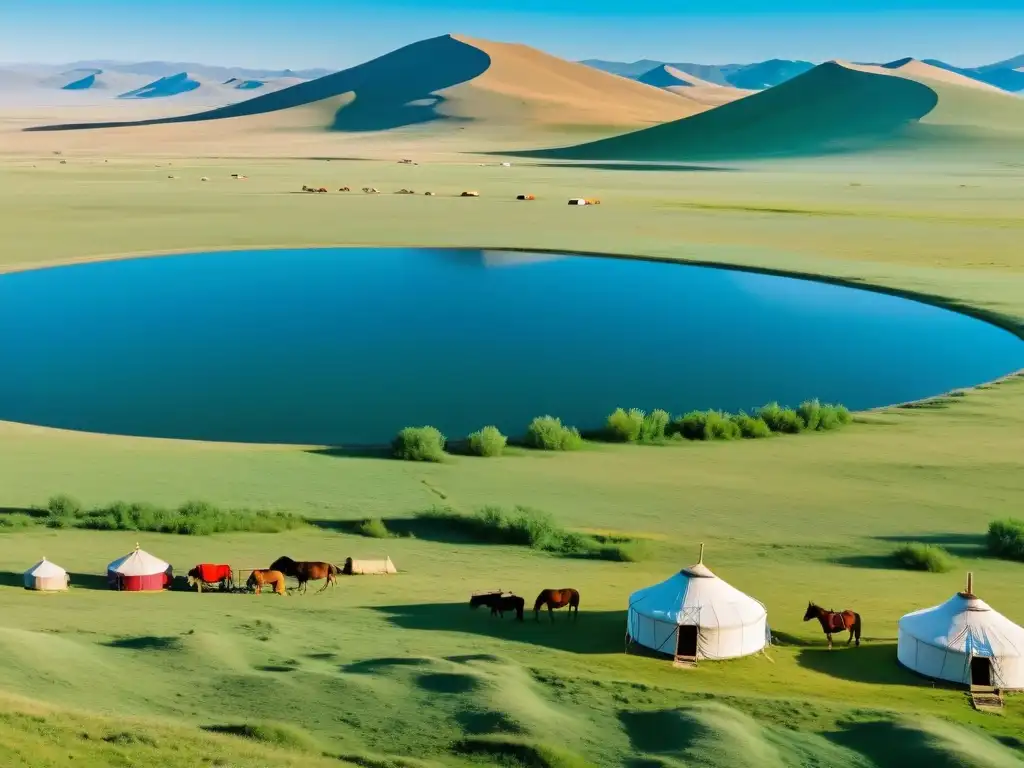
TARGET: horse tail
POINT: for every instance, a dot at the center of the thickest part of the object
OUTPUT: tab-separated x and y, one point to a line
856	626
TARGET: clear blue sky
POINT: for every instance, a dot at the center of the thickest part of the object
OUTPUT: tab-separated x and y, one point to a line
339	33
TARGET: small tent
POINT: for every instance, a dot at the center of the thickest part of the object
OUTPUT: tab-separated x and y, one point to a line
139	571
368	567
694	615
46	577
963	640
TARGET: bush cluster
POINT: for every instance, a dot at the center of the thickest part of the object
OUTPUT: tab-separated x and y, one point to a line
419	444
924	557
488	442
1006	538
547	433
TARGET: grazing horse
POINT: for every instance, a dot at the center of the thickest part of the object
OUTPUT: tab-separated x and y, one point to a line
209	574
266	578
835	621
306	571
556	598
499	602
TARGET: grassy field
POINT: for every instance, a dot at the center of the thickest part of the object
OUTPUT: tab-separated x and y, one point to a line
399	666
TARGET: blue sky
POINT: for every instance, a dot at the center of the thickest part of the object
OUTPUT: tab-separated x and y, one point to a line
339	33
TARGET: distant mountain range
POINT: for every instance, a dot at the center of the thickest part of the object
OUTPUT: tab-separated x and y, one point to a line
158	69
1007	75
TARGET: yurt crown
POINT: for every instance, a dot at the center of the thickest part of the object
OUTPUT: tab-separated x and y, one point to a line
700	560
970	585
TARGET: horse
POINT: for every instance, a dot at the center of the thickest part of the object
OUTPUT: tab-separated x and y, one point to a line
556	598
499	602
209	574
267	577
835	621
306	571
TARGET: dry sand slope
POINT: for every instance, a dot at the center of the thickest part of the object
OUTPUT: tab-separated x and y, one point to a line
700	92
835	107
451	81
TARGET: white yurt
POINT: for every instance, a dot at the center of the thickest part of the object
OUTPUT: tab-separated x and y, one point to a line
693	614
963	640
139	571
46	577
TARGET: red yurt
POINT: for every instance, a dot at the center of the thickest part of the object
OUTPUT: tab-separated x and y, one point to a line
139	571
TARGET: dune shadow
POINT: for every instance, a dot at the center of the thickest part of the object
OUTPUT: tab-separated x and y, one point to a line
873	662
612	166
395	90
594	632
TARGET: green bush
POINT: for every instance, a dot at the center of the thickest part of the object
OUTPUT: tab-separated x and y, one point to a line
819	417
780	419
419	444
751	427
372	528
547	433
654	426
193	518
487	442
624	426
924	557
61	511
1006	538
705	425
689	426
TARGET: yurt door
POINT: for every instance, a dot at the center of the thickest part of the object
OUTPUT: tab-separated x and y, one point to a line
686	642
981	671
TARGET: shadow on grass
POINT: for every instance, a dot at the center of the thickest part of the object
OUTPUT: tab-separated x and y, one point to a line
879	562
423	528
593	632
660	731
354	452
889	744
12	579
959	544
146	643
371	666
89	581
613	166
873	662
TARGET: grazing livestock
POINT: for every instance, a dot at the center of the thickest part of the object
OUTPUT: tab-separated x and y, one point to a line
556	598
371	190
266	578
835	621
306	571
405	192
344	189
209	574
525	197
499	602
470	194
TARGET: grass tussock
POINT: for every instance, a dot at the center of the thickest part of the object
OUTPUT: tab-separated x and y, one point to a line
915	556
488	442
547	433
533	528
1005	538
193	518
419	444
372	528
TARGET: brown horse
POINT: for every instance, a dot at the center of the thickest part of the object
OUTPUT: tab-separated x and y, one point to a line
835	621
303	571
266	578
556	598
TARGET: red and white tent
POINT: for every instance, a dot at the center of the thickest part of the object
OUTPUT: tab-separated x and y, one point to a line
139	571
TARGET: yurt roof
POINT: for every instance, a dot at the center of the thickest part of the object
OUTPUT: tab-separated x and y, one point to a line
138	563
697	596
967	624
44	569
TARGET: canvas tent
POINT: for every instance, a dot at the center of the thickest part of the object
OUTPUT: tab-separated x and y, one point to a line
46	577
963	640
694	615
368	567
139	571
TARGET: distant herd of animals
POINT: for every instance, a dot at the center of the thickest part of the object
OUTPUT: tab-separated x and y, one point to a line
467	193
501	602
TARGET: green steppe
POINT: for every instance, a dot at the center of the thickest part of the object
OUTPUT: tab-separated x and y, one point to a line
399	666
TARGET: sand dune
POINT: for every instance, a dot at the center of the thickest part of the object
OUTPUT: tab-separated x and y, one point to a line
454	81
97	80
835	107
915	70
177	85
701	92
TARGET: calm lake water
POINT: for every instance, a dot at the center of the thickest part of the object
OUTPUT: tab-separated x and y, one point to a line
347	346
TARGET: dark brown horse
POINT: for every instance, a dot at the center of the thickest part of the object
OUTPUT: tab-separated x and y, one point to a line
835	621
499	602
303	571
266	578
556	598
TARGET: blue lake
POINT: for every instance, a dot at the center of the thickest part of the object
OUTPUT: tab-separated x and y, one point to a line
347	346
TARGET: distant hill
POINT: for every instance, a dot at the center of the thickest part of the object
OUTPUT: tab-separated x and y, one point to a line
95	80
451	80
174	85
756	76
160	69
690	86
1004	75
834	107
768	74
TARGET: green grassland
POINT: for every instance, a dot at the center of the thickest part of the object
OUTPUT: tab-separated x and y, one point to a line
399	666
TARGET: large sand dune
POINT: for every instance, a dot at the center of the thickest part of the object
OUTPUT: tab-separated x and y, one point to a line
835	107
691	87
919	70
453	80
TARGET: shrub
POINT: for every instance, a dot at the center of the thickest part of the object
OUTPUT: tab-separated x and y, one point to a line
689	425
487	442
705	425
62	510
372	528
655	423
924	557
193	518
547	433
780	419
751	427
1006	538
419	444
625	426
